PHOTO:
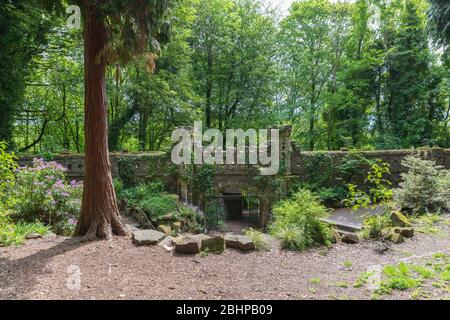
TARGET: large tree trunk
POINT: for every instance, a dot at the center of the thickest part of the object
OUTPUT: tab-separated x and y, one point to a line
99	211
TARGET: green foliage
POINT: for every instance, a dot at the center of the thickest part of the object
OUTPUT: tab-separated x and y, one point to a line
363	279
379	188
7	166
374	225
41	193
331	197
424	188
296	222
15	234
203	180
258	239
193	220
398	277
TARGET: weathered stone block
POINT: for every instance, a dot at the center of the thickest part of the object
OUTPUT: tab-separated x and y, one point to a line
147	237
213	244
240	242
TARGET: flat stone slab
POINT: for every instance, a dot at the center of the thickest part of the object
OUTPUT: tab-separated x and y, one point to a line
346	219
147	237
238	241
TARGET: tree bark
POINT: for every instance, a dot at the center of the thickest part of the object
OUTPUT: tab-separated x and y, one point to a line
99	211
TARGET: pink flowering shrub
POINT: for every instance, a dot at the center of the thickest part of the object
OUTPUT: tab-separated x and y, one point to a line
41	193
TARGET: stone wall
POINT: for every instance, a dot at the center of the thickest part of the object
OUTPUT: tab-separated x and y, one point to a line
392	157
158	164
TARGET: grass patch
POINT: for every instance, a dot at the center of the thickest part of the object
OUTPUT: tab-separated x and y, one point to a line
315	281
342	284
348	264
427	224
399	277
363	278
15	234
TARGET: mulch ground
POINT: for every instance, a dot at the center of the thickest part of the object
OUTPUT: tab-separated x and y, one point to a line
41	269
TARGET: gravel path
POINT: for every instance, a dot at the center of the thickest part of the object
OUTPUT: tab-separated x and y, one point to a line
119	270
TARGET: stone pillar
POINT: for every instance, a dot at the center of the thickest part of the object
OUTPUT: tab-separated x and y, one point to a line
265	209
184	192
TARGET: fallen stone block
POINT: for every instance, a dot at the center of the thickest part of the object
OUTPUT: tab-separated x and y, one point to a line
349	237
187	244
399	219
405	232
147	237
397	238
240	242
213	244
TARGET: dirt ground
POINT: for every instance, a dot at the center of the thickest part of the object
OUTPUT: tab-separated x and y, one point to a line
43	268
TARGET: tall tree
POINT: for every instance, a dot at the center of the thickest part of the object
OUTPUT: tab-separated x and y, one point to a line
114	31
24	26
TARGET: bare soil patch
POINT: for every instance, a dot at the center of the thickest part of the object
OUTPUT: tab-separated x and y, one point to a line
120	270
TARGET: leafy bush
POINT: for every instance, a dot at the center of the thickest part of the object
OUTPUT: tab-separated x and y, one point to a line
40	193
296	222
425	187
156	206
141	191
331	197
379	191
374	225
257	238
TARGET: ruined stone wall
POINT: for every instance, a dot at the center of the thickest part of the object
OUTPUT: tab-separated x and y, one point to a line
392	157
158	165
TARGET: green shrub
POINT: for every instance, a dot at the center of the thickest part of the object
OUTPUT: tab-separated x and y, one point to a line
156	206
258	239
40	193
142	191
296	222
374	225
425	187
332	196
378	192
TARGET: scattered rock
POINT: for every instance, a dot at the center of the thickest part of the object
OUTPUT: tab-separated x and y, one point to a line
349	237
147	237
187	244
406	232
34	235
399	219
213	244
240	242
396	238
381	247
167	243
165	228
